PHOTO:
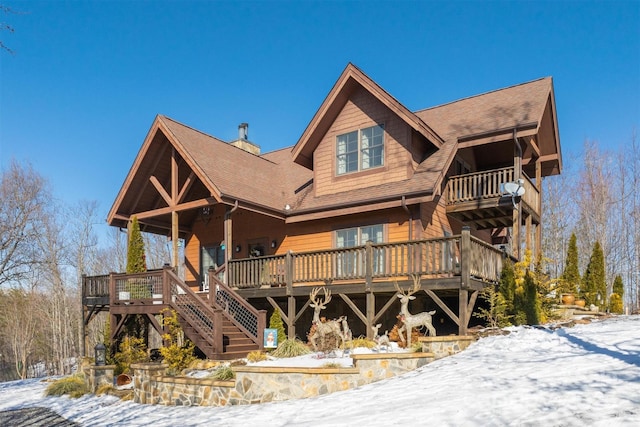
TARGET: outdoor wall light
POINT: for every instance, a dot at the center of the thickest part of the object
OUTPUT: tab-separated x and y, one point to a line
274	243
205	214
238	248
100	354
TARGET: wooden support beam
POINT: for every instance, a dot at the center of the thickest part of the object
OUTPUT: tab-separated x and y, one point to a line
185	187
115	331
384	308
175	236
463	311
443	306
275	305
538	239
472	303
163	193
354	308
155	323
291	317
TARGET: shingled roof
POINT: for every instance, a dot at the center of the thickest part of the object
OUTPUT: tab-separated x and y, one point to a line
268	182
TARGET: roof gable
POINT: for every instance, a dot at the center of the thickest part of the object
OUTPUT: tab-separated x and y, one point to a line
352	77
260	184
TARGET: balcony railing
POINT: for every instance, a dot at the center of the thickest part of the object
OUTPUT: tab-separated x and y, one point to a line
431	258
488	184
461	256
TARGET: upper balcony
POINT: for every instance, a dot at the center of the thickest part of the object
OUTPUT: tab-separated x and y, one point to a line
479	198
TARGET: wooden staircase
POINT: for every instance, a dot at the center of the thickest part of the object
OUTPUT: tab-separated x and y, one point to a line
224	327
235	343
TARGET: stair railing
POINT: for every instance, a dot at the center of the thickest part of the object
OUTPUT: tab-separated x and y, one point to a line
242	314
193	309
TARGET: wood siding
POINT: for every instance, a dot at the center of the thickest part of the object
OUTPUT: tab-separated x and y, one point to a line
363	110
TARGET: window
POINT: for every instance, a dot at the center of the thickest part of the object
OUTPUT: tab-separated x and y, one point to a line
352	263
210	256
361	149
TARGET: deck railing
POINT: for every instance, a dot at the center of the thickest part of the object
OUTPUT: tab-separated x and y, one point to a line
444	257
488	184
440	257
136	288
95	286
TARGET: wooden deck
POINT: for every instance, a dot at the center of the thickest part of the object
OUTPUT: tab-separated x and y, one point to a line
458	265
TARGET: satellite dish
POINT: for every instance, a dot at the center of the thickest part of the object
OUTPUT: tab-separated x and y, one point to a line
513	188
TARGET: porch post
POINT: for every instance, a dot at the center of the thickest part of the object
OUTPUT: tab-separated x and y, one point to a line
174	238
228	238
85	336
538	238
517	212
174	214
463	316
370	296
291	300
465	279
529	227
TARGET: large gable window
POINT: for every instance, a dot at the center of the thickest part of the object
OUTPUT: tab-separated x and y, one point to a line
361	149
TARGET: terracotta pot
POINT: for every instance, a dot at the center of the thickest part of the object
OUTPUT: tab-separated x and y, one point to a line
580	303
123	379
568	299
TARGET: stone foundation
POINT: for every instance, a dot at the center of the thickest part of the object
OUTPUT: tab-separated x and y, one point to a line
99	375
260	384
445	345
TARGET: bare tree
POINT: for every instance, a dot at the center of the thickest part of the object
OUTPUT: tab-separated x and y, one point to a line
23	193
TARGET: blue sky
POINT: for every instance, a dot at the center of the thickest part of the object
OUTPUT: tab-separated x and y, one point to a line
87	78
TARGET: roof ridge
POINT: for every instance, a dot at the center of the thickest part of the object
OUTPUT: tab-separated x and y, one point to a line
215	138
482	94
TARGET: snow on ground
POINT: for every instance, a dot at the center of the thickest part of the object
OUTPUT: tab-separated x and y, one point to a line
585	375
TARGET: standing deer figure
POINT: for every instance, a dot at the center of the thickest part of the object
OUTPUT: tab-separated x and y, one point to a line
413	320
322	328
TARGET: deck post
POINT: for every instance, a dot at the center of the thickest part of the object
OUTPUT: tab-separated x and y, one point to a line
218	338
517	211
538	238
370	296
291	300
212	288
463	317
465	279
85	335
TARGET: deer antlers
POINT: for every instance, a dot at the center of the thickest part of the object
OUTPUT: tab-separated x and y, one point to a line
313	297
409	292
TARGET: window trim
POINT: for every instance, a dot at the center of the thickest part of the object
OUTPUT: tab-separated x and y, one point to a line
359	150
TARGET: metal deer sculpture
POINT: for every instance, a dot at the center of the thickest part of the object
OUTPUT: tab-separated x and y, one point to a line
381	340
322	328
413	320
347	335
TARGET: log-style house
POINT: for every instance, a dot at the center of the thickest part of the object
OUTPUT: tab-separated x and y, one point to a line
371	195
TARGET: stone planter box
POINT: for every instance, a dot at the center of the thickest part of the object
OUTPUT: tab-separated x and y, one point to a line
445	345
260	384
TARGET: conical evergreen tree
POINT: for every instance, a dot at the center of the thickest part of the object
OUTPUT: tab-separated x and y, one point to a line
571	274
531	301
275	322
135	249
618	286
594	279
615	301
507	286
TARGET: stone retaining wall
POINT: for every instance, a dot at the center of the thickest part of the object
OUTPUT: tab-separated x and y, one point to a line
445	345
259	384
